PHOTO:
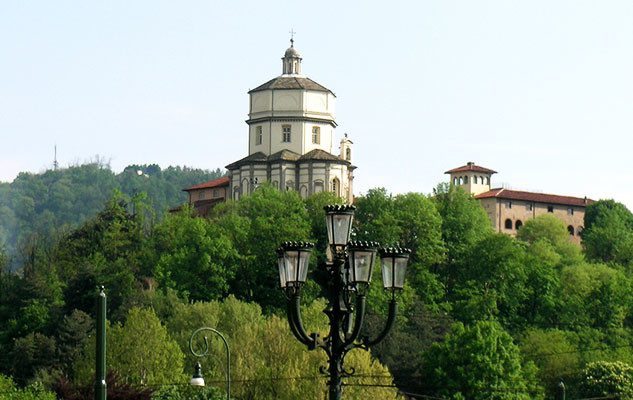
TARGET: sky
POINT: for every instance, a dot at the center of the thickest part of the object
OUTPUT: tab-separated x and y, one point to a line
540	91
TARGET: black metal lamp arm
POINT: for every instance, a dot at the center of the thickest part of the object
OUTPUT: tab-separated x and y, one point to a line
294	320
391	319
359	319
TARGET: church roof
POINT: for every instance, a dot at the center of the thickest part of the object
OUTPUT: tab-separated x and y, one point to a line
284	155
252	158
470	166
291	82
508	194
320	155
210	184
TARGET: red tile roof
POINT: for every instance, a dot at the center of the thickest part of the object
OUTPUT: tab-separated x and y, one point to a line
534	197
471	167
224	181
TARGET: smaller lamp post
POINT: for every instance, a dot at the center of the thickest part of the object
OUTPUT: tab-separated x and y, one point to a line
197	379
348	279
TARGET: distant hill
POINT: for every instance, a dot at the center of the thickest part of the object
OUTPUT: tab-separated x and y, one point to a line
48	202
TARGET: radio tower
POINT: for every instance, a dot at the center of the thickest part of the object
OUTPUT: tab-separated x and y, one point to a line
55	163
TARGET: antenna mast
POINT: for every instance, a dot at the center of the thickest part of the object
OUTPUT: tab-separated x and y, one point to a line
55	163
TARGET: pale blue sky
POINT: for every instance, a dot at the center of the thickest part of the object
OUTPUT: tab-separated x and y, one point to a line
541	91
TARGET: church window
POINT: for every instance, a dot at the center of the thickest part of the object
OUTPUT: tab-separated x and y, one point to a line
465	179
316	135
259	136
508	223
518	224
475	179
461	180
550	209
570	229
455	181
336	185
348	154
481	179
286	133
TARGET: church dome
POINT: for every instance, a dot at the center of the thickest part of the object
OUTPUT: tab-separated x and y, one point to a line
292	52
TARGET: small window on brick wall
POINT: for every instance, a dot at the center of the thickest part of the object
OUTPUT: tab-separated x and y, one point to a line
550	209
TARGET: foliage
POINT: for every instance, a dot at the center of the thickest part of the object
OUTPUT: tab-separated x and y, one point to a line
116	389
9	391
154	360
479	362
194	257
464	223
608	232
612	379
257	225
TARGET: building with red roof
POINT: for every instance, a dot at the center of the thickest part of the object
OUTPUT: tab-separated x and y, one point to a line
509	209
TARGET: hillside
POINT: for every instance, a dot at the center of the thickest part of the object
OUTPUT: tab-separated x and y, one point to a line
45	204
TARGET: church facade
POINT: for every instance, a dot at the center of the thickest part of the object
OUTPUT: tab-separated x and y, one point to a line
291	138
509	209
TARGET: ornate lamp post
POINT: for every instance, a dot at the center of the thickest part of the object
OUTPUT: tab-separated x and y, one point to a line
197	379
348	279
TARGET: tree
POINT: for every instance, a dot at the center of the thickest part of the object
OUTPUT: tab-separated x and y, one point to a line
9	391
464	223
479	362
608	232
193	256
549	229
257	224
608	379
154	360
491	279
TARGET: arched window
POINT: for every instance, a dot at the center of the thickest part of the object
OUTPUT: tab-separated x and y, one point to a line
465	179
508	223
348	154
487	180
475	179
481	179
518	224
318	186
571	231
461	180
455	181
336	186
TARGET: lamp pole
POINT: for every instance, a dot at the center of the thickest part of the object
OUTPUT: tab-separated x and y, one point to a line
197	379
348	277
100	365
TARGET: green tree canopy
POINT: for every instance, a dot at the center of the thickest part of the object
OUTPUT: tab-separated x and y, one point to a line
479	362
608	232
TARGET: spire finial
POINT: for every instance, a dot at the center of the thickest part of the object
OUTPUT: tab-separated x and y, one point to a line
292	37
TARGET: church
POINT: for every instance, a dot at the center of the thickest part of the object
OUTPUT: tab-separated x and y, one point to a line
291	142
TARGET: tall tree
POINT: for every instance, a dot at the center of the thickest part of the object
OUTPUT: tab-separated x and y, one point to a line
608	232
479	362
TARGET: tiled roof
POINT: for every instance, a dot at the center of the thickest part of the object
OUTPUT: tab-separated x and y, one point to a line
534	197
318	154
291	82
224	181
471	167
284	155
255	157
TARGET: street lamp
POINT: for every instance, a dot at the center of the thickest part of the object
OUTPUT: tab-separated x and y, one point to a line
348	279
197	379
